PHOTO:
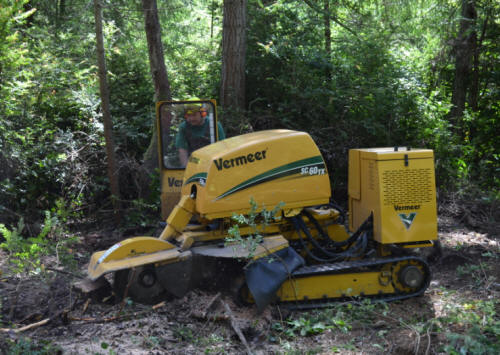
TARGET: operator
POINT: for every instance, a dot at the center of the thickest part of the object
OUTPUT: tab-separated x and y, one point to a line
194	132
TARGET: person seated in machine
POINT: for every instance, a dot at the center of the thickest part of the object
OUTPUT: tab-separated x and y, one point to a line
194	131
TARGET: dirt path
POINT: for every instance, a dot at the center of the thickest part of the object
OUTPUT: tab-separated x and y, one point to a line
459	310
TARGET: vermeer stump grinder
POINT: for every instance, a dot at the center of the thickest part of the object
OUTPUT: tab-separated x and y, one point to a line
306	258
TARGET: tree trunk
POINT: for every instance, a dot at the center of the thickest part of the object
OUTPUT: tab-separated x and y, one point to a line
465	47
474	90
232	95
328	39
158	73
106	116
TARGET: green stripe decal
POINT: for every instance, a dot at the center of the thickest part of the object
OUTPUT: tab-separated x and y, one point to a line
276	173
196	178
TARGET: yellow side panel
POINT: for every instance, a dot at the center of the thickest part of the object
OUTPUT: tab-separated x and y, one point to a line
333	286
408	211
171	190
354	177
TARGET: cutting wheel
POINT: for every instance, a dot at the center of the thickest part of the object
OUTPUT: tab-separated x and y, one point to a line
140	284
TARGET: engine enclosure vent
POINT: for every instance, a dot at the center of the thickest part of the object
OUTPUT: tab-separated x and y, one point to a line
398	187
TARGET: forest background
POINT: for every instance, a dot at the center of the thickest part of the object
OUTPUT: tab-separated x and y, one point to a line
351	73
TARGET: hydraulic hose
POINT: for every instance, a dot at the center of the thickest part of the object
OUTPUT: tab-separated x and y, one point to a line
304	246
357	242
343	214
356	250
325	236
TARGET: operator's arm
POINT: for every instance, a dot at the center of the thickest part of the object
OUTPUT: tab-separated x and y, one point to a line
181	144
183	156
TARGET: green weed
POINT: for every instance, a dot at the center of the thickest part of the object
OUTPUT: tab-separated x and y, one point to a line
25	254
340	348
212	339
472	327
339	317
478	273
184	333
105	346
26	346
257	221
306	327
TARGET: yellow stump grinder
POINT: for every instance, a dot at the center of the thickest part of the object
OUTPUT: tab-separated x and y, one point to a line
305	257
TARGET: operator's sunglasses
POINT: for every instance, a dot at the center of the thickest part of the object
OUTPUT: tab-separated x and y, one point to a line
190	112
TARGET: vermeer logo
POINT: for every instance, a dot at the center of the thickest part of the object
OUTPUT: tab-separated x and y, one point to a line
241	160
174	182
406	208
407	219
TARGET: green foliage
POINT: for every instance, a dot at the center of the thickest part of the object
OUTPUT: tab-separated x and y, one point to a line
480	327
13	51
13	239
370	97
339	317
184	333
25	254
48	136
478	273
257	219
387	80
349	346
26	346
305	327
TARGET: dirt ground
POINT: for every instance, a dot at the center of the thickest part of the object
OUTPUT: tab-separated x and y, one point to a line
466	278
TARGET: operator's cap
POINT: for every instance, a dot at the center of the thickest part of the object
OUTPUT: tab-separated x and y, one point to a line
194	107
191	108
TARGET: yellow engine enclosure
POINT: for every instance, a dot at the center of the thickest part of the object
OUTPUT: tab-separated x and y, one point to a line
398	187
269	166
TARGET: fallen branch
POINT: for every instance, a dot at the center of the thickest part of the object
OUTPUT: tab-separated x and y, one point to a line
203	315
212	317
159	305
131	276
65	272
236	328
211	304
63	314
27	327
86	305
33	316
428	340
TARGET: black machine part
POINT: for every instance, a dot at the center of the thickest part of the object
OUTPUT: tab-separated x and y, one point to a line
264	276
325	250
140	283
